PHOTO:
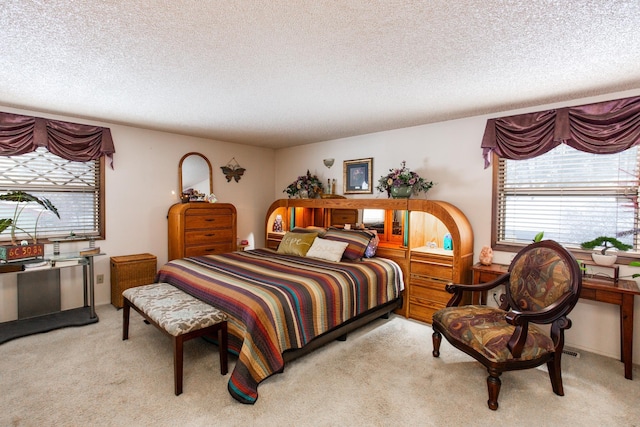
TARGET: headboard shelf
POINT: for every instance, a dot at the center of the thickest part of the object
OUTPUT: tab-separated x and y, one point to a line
424	223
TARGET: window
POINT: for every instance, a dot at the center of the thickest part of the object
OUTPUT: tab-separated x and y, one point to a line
76	189
571	195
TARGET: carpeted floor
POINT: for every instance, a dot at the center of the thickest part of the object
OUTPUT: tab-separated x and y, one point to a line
383	375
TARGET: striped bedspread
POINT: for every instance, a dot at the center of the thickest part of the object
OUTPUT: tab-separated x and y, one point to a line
278	302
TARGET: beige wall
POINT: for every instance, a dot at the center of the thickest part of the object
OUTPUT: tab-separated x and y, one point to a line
141	188
449	154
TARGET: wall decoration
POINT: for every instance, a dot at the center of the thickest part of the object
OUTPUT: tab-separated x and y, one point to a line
233	170
357	176
328	162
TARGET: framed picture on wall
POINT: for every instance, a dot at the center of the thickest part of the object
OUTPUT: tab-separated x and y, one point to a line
357	176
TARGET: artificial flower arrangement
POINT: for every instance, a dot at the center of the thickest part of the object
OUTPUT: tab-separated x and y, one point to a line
403	177
305	185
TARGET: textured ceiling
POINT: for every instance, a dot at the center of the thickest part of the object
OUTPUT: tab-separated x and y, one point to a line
282	73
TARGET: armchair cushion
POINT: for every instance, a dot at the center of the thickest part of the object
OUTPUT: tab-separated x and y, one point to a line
485	330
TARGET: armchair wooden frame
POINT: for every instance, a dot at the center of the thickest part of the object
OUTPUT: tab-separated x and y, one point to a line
555	314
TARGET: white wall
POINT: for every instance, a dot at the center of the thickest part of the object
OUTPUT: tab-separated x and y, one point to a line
141	188
449	154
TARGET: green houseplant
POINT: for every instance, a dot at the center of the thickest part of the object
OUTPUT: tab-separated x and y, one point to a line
605	243
22	200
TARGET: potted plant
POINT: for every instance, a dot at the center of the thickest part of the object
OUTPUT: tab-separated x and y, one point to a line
402	182
605	243
305	186
22	200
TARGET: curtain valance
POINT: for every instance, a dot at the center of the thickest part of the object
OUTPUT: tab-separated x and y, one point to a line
601	128
72	141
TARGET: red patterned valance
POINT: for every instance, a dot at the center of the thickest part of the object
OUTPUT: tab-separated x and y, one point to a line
23	134
601	128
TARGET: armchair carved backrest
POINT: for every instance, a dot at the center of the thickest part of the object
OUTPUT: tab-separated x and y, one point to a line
540	276
541	287
544	283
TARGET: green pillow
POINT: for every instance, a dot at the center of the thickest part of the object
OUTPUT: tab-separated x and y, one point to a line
296	243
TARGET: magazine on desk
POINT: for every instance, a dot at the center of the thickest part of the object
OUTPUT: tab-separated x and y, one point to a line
89	251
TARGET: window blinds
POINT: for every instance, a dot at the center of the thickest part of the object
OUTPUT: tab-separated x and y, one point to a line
571	195
72	187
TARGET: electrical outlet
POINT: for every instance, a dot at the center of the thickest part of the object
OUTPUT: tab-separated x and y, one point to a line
100	278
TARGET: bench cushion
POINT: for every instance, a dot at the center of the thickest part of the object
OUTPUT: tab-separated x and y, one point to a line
173	310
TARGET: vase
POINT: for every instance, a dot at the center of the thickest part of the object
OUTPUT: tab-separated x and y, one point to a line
303	194
605	260
401	192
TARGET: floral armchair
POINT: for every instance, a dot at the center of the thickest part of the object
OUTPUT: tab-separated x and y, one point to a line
542	286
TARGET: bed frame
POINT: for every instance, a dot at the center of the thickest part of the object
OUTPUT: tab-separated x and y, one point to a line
340	332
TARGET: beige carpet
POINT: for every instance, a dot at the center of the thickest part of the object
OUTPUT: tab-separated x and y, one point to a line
383	375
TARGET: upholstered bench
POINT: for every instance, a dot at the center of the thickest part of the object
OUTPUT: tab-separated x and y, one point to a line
178	315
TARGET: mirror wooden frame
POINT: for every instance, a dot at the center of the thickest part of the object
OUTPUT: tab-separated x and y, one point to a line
193	153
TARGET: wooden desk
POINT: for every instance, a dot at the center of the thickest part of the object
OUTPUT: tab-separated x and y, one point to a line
620	292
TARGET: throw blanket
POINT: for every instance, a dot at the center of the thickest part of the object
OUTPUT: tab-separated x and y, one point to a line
278	302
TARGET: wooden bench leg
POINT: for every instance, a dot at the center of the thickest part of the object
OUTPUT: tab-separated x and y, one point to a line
177	364
223	348
126	309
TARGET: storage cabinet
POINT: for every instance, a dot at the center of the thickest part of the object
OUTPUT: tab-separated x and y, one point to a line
129	271
201	229
344	216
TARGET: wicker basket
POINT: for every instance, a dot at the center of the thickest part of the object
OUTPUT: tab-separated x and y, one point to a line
128	271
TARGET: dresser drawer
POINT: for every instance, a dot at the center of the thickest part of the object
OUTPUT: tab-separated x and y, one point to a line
200	220
423	311
432	269
344	216
273	244
213	249
203	237
431	291
487	276
394	253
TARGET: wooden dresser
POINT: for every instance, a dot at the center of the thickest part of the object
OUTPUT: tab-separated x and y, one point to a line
431	270
201	229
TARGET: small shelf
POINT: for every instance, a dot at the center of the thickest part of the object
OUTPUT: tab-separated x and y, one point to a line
615	268
35	325
80	316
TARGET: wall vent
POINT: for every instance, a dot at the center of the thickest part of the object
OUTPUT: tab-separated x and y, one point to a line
572	353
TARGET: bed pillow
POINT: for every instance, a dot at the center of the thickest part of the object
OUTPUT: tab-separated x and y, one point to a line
329	250
357	240
373	244
296	243
310	229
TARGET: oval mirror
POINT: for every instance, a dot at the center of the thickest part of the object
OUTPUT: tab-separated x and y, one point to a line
194	172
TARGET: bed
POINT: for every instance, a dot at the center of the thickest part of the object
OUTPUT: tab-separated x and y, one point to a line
281	306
